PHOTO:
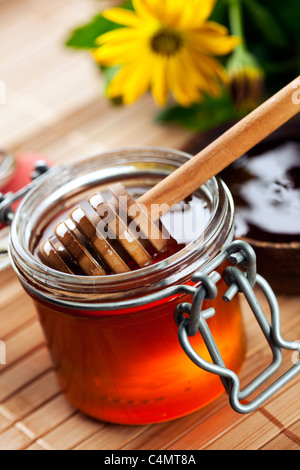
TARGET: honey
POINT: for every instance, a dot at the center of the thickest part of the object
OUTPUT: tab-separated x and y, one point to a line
113	338
127	366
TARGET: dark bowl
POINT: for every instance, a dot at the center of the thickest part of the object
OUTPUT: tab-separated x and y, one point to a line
279	263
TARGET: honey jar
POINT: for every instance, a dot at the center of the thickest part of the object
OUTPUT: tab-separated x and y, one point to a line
113	339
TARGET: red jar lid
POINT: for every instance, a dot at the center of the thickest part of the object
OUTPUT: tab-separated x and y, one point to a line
24	167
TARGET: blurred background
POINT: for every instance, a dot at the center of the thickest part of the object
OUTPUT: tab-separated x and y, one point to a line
52	86
54	103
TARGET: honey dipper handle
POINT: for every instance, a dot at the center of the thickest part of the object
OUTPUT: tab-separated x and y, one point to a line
226	149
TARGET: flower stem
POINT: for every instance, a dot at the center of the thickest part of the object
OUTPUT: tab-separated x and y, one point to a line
236	21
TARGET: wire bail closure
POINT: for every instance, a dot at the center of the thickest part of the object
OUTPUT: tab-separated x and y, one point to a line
240	277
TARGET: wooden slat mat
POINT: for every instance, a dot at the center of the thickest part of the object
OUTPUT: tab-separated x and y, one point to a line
54	108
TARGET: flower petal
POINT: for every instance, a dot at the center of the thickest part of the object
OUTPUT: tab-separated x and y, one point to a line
166	12
184	93
211	39
116	87
143	10
205	9
197	81
211	68
120	36
209	75
123	16
132	81
196	14
159	80
118	54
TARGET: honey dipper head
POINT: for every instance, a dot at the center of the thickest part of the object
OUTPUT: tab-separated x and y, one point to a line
103	237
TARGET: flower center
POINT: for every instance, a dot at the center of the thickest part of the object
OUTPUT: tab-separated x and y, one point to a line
166	42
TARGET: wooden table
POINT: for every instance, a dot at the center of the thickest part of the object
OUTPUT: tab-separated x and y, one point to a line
54	107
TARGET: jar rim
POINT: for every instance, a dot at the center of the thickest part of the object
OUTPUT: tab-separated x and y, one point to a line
34	273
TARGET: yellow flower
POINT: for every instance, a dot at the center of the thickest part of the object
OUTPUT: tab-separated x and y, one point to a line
165	45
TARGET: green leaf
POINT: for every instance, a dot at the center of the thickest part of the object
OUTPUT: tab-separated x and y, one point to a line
266	22
201	116
84	37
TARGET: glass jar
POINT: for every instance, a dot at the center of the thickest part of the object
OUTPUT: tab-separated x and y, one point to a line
116	353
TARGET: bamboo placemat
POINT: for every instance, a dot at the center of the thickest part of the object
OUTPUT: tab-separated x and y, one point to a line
54	108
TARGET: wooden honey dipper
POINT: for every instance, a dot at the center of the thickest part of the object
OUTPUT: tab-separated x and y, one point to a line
114	246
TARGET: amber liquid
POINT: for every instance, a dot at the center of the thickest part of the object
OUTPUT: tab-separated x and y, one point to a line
128	367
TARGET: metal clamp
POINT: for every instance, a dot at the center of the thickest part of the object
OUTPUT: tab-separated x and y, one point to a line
241	255
7	200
